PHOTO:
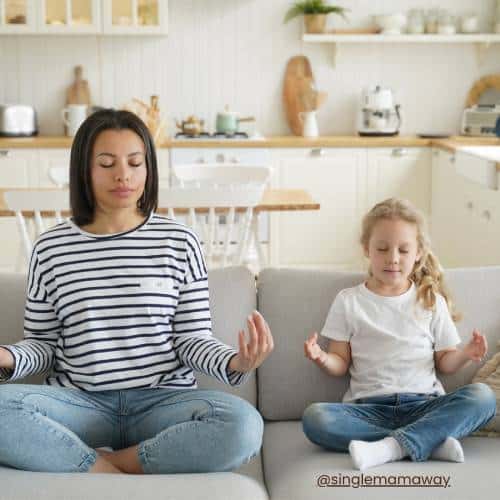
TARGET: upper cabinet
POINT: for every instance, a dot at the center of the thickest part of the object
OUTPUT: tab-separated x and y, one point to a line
18	16
69	16
76	17
135	17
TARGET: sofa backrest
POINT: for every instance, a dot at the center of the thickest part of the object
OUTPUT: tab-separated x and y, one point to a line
232	299
296	303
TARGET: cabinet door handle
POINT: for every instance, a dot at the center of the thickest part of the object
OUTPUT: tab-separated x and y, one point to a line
452	159
398	152
317	152
470	205
487	214
4	153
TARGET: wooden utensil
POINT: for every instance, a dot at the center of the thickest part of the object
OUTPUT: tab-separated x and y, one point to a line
298	69
78	92
150	115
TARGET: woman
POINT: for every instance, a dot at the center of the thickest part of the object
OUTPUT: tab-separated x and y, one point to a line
117	313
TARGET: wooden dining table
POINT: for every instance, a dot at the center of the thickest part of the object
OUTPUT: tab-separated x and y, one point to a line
273	200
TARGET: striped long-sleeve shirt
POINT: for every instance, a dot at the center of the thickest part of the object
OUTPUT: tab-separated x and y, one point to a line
110	312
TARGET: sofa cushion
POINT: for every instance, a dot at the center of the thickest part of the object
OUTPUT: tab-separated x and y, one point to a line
214	486
296	303
293	465
232	299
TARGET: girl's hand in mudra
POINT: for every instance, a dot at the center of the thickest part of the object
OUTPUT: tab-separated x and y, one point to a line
477	347
251	355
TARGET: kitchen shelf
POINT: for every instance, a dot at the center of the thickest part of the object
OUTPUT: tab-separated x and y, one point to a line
483	40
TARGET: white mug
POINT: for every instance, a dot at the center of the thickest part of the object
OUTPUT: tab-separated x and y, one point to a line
73	116
310	125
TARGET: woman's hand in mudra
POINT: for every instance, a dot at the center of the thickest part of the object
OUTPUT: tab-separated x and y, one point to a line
251	355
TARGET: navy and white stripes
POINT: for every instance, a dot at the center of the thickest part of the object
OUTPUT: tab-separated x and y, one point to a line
110	312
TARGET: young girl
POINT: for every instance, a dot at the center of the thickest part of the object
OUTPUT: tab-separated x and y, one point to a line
392	332
117	313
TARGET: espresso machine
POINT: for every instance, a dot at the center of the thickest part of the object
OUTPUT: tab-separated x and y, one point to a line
378	115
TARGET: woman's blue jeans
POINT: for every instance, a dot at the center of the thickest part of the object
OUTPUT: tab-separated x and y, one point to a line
44	428
419	422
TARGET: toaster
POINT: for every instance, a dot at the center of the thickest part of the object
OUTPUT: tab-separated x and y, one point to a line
480	120
17	120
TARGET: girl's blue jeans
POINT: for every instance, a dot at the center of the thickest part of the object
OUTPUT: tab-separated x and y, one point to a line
50	429
419	422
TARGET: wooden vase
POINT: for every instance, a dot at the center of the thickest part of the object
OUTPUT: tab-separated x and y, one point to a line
315	23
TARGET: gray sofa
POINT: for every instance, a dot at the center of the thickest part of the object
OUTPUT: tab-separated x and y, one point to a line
289	466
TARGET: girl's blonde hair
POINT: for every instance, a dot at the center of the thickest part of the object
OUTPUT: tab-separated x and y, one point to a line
427	272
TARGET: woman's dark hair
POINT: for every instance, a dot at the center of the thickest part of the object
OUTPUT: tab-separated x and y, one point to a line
80	185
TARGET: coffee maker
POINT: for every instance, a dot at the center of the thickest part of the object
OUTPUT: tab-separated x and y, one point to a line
378	116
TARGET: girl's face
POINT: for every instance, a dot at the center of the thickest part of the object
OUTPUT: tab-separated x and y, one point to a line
393	251
118	171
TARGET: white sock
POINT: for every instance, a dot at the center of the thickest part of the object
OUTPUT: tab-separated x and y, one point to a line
450	450
367	454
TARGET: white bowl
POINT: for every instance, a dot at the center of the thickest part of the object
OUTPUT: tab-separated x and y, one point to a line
391	24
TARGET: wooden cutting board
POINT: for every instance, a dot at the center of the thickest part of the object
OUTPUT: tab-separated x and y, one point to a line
78	92
297	71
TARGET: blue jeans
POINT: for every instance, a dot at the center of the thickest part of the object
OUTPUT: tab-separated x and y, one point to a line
52	429
419	422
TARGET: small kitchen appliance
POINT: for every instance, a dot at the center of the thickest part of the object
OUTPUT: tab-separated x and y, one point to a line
480	120
378	116
17	120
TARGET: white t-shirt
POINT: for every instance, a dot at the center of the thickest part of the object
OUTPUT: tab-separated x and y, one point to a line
392	340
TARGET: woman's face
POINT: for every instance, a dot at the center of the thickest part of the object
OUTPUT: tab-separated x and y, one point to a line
118	170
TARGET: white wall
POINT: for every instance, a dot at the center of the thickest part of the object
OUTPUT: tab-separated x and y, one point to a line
234	52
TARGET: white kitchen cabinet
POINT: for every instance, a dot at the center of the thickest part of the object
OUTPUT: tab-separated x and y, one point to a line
17	169
135	17
465	217
18	16
163	159
327	237
77	17
69	17
402	173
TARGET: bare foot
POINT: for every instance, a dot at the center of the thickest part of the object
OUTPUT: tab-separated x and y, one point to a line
125	460
102	466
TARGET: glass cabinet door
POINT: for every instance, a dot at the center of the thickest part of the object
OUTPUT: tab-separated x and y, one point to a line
70	16
135	16
17	16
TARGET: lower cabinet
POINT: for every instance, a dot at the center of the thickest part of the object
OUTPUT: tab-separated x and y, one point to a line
465	217
18	168
346	183
325	237
400	172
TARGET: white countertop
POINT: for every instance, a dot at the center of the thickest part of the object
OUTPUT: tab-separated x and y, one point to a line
491	153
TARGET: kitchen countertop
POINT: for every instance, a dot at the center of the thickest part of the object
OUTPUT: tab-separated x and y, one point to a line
353	141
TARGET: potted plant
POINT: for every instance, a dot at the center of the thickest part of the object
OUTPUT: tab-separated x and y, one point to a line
314	12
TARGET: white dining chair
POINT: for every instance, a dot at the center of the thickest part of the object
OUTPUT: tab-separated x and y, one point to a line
239	177
41	206
223	244
59	176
